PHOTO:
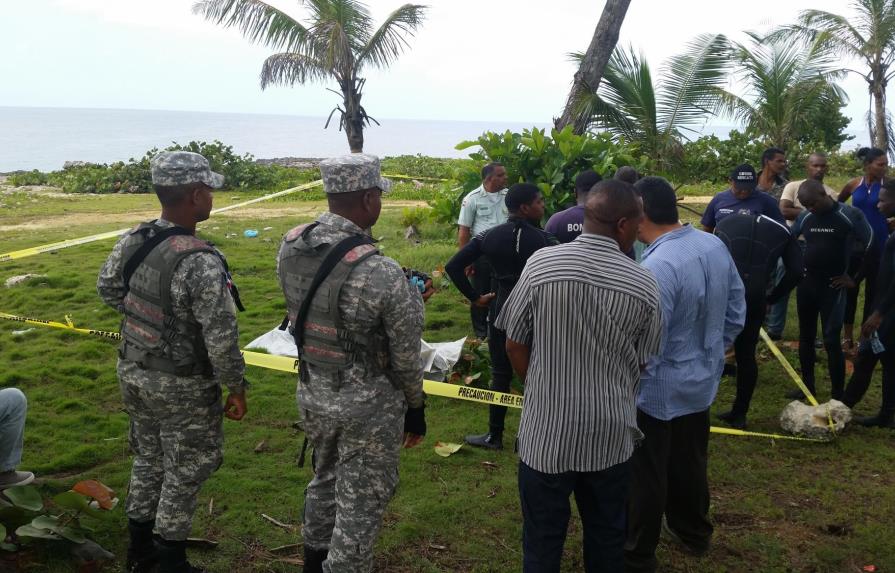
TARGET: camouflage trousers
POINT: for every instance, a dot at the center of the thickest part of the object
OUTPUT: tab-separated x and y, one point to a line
355	476
176	438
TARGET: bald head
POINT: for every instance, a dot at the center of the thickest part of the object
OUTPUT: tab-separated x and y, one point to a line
613	210
813	196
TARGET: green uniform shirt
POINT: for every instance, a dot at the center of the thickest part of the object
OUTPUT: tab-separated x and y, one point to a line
481	210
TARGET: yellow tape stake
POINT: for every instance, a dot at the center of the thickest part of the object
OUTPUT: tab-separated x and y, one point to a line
793	374
431	387
31	251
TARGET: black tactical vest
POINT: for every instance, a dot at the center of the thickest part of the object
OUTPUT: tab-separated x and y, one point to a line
151	335
325	342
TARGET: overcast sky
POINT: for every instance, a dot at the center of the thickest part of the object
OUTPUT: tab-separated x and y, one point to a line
473	60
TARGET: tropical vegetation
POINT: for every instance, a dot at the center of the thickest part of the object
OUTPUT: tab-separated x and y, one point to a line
868	37
337	43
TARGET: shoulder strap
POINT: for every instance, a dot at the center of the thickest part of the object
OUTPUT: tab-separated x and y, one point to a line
130	267
329	263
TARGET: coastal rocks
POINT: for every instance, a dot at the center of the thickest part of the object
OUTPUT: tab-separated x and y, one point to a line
17	280
297	162
814	421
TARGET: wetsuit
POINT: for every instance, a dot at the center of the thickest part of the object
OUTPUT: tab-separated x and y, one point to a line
506	247
829	243
756	243
866	197
867	359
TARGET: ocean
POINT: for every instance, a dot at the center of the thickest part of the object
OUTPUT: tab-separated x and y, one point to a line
45	138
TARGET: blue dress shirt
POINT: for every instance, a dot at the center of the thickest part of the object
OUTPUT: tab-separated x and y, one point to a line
703	308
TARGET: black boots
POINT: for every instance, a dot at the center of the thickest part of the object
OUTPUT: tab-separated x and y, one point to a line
884	419
491	440
141	556
314	559
172	557
734	420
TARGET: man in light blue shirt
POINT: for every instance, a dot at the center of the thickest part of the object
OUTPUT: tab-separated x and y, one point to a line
704	308
483	208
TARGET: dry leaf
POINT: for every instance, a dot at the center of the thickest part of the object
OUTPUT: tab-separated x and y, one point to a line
96	490
446	449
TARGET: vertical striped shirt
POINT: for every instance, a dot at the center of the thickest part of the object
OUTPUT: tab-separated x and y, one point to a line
591	317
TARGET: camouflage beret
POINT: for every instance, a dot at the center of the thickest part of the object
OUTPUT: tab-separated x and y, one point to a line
171	168
352	173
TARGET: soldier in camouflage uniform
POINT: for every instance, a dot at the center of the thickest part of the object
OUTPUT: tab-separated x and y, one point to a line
360	391
179	347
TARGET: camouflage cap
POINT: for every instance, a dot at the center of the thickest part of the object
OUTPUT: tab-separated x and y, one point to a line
171	168
352	173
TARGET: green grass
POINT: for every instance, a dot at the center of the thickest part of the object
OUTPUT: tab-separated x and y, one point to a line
773	502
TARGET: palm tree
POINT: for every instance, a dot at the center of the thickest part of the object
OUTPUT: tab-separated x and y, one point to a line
788	84
630	106
336	43
593	63
868	37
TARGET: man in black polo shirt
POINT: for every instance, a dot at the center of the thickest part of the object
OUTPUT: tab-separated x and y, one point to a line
831	230
506	247
756	243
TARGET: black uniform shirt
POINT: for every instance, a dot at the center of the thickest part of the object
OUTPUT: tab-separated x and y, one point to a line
830	238
507	248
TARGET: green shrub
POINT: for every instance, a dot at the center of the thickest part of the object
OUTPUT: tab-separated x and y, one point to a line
550	161
423	166
132	176
23	178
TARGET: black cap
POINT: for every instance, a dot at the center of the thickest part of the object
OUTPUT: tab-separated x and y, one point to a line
743	177
586	180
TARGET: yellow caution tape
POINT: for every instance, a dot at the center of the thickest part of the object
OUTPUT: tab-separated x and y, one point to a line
793	374
31	251
431	387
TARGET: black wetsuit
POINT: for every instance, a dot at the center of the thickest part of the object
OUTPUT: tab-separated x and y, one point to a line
867	359
830	239
506	248
756	243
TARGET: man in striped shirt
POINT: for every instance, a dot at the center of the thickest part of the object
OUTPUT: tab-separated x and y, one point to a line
581	321
703	307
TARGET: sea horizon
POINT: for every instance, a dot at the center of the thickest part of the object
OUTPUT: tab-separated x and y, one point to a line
44	138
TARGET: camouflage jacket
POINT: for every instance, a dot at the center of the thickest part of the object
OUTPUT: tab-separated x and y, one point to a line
376	297
199	294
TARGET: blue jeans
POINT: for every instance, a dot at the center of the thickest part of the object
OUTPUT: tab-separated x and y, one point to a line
601	497
13	406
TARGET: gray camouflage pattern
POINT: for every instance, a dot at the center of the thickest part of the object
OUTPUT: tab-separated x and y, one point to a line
175	421
352	173
354	418
376	298
177	441
358	458
198	294
171	168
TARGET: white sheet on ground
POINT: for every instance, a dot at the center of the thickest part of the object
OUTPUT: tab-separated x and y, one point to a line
435	357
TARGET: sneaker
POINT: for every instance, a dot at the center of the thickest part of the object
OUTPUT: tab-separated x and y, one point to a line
736	421
671	535
489	441
13	478
877	421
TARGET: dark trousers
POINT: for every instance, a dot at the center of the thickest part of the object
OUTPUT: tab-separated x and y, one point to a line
501	376
864	364
481	282
600	497
668	475
816	298
871	270
744	346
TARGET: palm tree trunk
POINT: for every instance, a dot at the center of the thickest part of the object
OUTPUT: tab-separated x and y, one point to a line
353	119
588	76
880	131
